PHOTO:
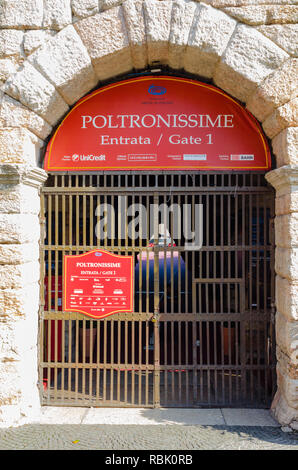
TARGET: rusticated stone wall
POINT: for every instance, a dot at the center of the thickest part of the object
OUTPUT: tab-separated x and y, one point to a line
53	52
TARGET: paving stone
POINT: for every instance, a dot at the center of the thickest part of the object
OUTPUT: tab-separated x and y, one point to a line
151	437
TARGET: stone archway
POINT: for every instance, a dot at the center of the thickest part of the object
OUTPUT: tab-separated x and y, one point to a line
135	35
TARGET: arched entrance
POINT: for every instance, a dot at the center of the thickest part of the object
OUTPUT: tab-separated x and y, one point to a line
200	332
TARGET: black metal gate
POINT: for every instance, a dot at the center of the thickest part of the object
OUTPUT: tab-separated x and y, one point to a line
202	330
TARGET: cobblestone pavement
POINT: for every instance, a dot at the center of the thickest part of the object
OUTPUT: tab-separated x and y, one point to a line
149	437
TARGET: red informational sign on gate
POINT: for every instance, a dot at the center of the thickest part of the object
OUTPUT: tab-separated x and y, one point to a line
158	123
98	283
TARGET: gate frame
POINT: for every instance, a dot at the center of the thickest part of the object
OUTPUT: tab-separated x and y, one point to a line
155	192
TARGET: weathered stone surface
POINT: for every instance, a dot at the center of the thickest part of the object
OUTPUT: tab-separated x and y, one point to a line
278	88
249	58
286	230
287	298
21	199
7	67
281	410
286	262
18	145
83	9
287	338
65	62
18	388
284	35
264	14
57	14
286	203
18	228
14	174
107	4
182	18
284	180
10	42
158	25
16	303
19	275
285	147
240	3
33	90
14	114
209	35
18	253
21	14
282	117
106	40
36	38
134	18
288	387
10	392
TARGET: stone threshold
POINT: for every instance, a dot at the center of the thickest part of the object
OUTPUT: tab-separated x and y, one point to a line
162	416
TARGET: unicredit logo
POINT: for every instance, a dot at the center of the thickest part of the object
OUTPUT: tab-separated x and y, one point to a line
157	90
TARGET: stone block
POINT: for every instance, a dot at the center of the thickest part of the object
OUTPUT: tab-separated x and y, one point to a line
286	262
57	14
17	336
278	88
285	147
19	228
10	391
19	253
19	275
14	114
134	18
288	388
10	42
86	8
284	35
249	58
264	14
182	19
209	35
8	67
24	14
36	38
282	117
33	90
287	338
287	298
107	4
286	230
281	410
286	203
106	40
18	145
65	62
158	25
20	199
19	303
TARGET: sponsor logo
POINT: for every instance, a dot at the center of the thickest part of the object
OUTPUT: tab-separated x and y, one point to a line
156	90
98	253
91	158
242	157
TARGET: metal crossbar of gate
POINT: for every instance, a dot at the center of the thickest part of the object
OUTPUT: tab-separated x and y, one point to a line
202	330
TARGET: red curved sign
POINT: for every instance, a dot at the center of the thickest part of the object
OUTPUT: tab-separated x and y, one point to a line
158	123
